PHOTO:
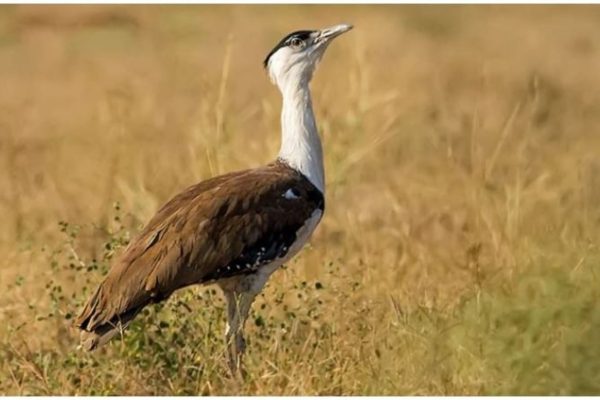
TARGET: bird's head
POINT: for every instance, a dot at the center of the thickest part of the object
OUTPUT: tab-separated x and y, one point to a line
296	56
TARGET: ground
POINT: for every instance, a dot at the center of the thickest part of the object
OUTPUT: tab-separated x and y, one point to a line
459	249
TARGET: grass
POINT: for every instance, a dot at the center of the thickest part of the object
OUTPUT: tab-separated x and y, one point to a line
459	251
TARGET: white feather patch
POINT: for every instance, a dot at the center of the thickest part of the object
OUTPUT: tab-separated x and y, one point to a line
290	195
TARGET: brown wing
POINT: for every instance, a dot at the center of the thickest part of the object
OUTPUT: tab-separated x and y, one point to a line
240	220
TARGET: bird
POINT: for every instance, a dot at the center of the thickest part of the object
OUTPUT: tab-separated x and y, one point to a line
232	230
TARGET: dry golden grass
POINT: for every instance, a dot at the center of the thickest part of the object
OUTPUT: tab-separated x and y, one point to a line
459	251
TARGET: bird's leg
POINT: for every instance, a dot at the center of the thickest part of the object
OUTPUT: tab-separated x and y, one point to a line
238	307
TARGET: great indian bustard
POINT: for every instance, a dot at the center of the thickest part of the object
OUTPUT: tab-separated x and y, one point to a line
234	230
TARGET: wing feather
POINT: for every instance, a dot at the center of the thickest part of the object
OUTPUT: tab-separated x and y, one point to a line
235	219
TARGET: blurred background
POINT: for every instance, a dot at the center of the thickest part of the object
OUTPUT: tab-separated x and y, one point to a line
459	251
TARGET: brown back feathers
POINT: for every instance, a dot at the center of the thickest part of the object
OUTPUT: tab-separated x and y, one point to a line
228	225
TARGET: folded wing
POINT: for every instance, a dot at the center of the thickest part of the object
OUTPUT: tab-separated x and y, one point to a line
219	228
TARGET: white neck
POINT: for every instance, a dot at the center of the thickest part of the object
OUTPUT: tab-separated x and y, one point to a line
300	143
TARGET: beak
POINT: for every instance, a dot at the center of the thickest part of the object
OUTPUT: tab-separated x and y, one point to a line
327	34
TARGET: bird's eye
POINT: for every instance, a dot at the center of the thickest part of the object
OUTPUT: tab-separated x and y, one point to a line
297	43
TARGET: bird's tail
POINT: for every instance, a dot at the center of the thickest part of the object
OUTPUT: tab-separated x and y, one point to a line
104	315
